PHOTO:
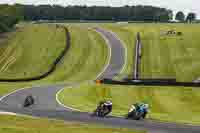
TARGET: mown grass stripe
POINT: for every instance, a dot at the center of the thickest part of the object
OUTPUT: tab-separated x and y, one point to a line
52	68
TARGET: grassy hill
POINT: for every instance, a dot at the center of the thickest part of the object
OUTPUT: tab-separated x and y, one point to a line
85	59
164	56
34	48
31	51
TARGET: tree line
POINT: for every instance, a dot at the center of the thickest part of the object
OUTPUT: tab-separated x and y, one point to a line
11	14
127	13
181	17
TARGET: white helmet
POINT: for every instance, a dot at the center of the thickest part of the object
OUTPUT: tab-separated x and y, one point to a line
108	103
132	108
146	106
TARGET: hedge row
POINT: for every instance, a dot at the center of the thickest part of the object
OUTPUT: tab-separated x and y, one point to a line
7	22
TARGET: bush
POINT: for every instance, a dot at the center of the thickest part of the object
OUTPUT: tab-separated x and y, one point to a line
3	27
179	33
7	22
10	21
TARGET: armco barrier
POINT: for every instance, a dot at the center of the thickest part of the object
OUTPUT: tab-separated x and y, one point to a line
137	56
54	64
151	82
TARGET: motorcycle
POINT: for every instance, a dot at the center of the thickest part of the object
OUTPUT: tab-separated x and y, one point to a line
134	114
29	100
100	111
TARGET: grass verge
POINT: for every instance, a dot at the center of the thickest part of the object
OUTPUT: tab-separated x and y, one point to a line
31	51
14	124
174	104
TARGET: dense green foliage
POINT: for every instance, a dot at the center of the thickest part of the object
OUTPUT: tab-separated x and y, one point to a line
139	13
9	16
180	16
56	12
191	17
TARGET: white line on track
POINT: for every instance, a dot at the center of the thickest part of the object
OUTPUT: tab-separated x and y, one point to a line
7	113
106	66
57	99
110	53
13	113
23	115
61	104
1	98
126	51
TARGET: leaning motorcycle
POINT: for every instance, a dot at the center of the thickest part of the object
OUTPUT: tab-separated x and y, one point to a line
100	111
29	100
134	114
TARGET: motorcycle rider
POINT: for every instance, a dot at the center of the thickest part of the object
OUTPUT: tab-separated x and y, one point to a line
141	108
29	100
132	108
107	106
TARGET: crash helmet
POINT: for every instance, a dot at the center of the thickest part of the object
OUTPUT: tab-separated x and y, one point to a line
146	106
108	102
132	108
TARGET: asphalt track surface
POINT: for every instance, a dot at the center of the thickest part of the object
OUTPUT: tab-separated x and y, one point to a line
117	56
46	106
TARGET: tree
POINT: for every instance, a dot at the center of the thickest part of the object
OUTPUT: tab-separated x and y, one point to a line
164	16
9	16
3	27
191	17
180	16
13	13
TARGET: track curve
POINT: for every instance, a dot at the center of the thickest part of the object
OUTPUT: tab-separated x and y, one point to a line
46	105
117	56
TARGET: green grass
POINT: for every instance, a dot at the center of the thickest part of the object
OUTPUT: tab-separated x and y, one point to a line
84	61
156	63
174	104
14	124
31	51
6	88
164	56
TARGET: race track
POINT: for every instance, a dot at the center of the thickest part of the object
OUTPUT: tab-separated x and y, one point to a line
47	106
117	55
